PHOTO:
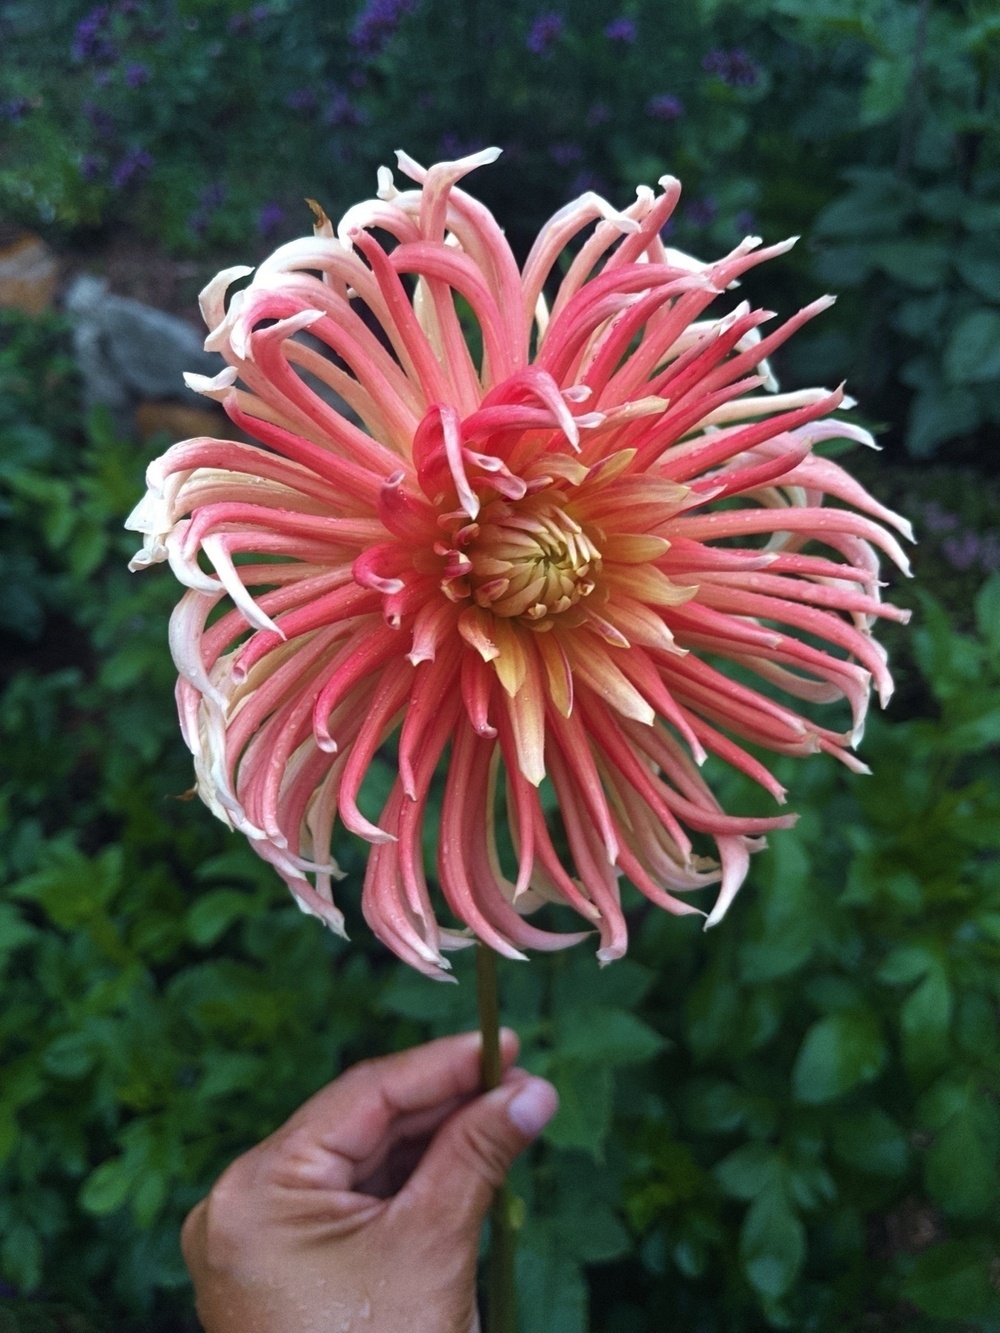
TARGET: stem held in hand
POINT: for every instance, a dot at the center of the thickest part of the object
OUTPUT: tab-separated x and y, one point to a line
501	1295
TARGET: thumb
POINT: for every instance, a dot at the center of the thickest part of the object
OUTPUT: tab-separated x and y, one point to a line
472	1152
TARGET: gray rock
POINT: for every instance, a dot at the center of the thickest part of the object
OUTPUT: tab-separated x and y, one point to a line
129	352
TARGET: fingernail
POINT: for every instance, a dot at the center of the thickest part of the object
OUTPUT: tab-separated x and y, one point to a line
533	1106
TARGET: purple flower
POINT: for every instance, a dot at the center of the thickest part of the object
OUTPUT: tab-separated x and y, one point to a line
565	154
735	68
269	217
91	167
665	106
91	41
745	222
963	550
15	110
301	99
240	23
453	147
213	196
586	181
544	33
340	110
136	74
621	30
702	212
210	200
938	519
597	114
376	23
102	121
134	163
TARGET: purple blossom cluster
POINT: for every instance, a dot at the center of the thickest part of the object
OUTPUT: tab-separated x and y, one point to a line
341	111
621	30
588	180
598	113
102	121
269	216
15	110
565	154
962	547
735	68
302	99
665	106
249	19
453	146
376	24
92	41
136	162
211	199
544	32
745	222
701	212
136	74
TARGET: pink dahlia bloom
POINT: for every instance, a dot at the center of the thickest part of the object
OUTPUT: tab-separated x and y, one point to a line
522	521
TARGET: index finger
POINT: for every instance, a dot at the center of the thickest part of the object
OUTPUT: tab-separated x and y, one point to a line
347	1125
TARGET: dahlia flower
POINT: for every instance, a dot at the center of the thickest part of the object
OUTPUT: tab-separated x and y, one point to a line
550	532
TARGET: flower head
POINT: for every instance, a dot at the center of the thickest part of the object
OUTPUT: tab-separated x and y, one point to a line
376	24
665	106
544	32
621	30
536	562
735	68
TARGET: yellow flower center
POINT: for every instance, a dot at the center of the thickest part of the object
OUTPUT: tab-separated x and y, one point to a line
531	560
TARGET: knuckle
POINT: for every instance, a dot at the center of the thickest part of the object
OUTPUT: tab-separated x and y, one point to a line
483	1152
216	1229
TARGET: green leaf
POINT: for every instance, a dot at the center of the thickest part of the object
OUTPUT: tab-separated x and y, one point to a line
907	963
961	1165
108	1185
585	1096
785	938
551	1292
592	1233
838	1052
939	412
14	932
972	355
749	1170
609	1037
213	913
21	1255
871	1141
950	1281
772	1243
978	265
925	1020
70	1056
988	611
920	264
885	90
714	1107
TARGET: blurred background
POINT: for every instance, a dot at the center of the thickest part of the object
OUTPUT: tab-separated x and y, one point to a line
791	1123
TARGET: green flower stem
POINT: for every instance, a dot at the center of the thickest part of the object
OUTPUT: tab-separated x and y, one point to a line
501	1294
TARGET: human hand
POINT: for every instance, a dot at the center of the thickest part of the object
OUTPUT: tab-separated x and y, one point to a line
362	1213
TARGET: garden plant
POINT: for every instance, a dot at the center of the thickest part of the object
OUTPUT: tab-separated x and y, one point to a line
790	1121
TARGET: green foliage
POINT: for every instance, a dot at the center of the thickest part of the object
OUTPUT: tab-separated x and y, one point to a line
790	1122
869	126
